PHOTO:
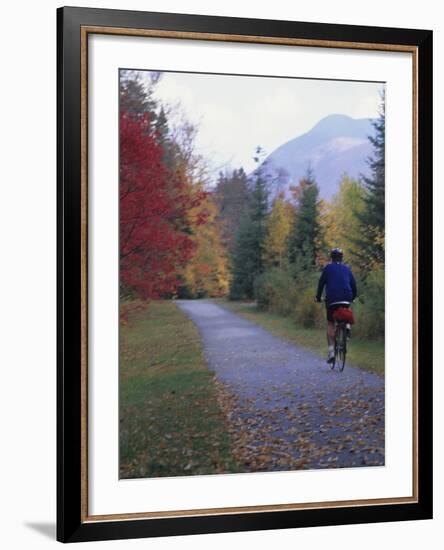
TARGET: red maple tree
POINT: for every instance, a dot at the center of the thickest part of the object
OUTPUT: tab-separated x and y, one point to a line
154	231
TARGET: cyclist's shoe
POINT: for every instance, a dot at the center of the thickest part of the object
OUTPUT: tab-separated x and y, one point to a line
331	357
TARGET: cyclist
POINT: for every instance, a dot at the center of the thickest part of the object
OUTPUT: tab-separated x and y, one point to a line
340	291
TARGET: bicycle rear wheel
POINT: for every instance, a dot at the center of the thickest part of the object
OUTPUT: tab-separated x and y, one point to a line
336	350
335	356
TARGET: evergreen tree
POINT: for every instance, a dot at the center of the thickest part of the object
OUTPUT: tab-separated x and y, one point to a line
370	246
247	256
161	127
171	152
246	262
305	242
232	197
136	94
259	201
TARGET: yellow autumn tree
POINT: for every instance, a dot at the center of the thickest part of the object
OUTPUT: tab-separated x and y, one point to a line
340	218
206	274
278	229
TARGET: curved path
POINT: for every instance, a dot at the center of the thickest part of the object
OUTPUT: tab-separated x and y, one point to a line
285	407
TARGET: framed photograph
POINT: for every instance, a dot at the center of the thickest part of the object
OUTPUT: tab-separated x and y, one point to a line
244	274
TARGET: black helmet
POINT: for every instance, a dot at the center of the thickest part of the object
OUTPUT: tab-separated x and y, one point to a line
336	254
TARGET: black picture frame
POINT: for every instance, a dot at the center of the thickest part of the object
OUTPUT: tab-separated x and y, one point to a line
72	524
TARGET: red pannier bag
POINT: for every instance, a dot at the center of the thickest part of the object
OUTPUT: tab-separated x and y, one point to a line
344	314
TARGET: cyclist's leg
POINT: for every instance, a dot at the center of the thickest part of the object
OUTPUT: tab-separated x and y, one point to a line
330	335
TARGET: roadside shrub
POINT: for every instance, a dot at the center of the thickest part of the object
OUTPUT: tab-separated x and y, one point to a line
237	290
370	312
280	291
275	291
308	313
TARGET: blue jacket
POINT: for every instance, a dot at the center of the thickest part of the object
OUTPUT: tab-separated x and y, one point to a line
339	282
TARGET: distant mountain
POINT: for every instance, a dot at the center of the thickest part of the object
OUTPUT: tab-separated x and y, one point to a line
337	144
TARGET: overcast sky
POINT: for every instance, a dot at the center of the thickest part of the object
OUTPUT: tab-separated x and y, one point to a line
237	113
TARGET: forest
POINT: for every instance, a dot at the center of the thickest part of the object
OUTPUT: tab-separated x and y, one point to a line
186	234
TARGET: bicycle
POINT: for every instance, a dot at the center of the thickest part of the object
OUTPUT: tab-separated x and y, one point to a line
342	334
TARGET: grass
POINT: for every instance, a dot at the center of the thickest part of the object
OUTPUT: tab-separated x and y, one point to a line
365	354
170	420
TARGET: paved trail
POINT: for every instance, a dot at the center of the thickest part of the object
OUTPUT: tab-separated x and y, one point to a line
285	407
